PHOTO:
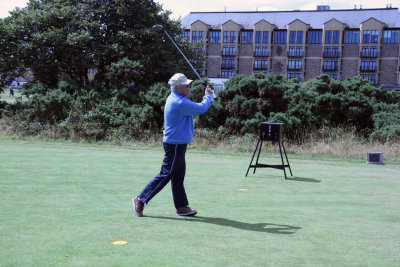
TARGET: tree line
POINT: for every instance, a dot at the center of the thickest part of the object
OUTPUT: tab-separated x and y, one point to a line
59	40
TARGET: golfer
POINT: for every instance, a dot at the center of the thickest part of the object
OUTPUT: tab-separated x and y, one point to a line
178	132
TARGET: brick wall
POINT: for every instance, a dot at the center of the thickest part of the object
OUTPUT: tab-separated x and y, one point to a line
349	68
314	50
313	68
390	50
214	49
246	50
278	65
245	66
388	71
214	67
351	50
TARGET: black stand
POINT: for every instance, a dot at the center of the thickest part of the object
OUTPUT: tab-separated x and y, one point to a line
259	165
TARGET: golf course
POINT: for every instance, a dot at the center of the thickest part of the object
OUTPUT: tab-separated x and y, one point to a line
64	204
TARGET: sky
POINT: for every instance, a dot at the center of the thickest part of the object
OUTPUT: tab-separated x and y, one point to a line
181	8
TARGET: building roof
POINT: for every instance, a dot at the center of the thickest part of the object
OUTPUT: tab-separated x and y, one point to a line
316	18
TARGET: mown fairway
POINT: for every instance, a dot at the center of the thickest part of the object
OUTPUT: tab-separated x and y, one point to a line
64	204
5	96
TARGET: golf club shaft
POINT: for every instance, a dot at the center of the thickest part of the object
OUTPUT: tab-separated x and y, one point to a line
159	26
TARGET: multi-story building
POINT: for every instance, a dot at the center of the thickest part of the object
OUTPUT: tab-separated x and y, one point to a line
300	44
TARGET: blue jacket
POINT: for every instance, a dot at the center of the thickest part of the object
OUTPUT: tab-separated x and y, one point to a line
178	117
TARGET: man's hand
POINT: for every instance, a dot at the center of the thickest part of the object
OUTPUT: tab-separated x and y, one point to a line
209	91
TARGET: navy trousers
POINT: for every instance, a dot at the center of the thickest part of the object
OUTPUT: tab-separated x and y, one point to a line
173	168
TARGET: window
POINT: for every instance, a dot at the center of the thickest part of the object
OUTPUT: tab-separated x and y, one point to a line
364	64
296	37
368	65
258	37
233	37
228	63
328	37
265	51
366	37
294	64
292	37
351	37
280	37
371	78
373	51
369	51
332	37
330	64
194	36
299	37
185	35
314	37
228	50
391	37
246	37
227	73
265	37
226	37
370	37
257	51
368	76
294	75
299	51
261	51
365	51
335	37
295	51
374	37
215	37
331	51
327	51
335	51
297	75
372	65
292	51
333	75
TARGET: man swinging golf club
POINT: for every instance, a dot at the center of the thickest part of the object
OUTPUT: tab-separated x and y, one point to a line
178	132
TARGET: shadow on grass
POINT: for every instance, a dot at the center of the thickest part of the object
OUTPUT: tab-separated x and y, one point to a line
302	179
289	178
256	227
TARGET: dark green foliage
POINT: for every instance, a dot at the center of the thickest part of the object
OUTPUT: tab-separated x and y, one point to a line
56	37
94	112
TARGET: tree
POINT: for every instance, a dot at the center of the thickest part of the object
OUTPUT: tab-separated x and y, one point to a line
56	37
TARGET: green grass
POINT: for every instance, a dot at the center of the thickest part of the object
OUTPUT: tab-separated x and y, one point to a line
63	204
5	96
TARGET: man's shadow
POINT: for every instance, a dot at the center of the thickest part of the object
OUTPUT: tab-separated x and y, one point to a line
256	227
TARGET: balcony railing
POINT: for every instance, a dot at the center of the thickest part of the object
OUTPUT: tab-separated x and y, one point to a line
293	54
294	68
260	54
330	68
331	55
227	67
369	55
228	54
368	69
260	67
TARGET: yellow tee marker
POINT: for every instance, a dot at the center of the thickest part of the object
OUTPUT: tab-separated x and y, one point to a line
120	242
243	189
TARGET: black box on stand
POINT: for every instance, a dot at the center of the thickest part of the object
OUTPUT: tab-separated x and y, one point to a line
271	131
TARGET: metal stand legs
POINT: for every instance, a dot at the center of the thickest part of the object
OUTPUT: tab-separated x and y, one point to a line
259	165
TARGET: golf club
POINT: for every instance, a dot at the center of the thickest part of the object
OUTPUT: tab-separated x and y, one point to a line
169	36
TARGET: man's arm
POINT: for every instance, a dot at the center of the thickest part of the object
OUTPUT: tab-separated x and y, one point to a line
189	108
